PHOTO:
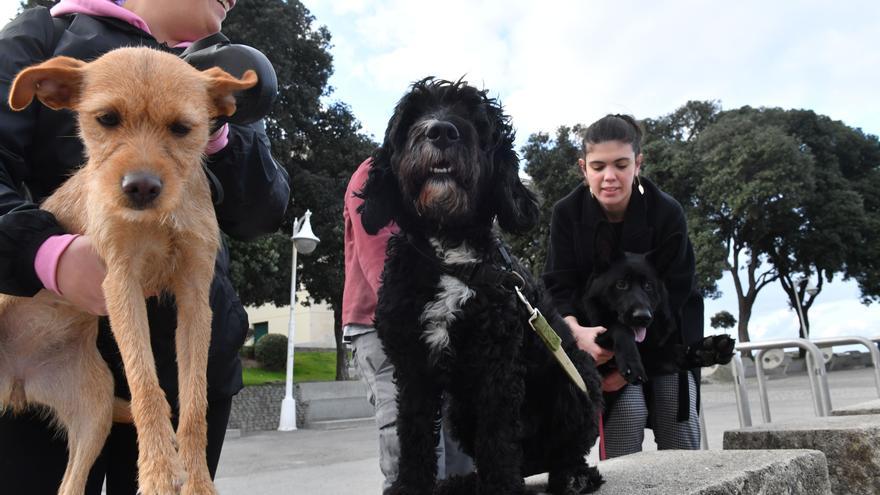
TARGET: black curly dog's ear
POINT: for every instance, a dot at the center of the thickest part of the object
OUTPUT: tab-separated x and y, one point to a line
381	194
514	204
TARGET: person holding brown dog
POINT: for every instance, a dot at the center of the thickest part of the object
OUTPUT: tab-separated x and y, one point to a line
38	151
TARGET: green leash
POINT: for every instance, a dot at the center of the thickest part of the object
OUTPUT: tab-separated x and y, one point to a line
553	342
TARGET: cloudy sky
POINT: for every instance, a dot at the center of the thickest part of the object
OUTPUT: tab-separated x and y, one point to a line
559	62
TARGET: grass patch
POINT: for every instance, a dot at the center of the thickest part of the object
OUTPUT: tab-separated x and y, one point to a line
311	366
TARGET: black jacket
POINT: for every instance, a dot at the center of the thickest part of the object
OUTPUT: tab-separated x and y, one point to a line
39	149
648	221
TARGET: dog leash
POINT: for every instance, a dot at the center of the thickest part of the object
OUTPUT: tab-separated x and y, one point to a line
540	325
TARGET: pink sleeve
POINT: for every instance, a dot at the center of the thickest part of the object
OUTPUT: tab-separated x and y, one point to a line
369	249
46	261
219	140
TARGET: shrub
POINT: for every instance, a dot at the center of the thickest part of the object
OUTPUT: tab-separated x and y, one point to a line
271	351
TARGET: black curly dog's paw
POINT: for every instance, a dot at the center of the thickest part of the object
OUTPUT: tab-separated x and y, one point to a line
583	479
712	350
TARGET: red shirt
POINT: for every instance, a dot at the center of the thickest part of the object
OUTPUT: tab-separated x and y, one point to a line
364	256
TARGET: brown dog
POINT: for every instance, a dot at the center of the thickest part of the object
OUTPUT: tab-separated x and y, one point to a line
144	200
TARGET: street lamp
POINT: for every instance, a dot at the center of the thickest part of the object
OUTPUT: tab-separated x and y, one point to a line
811	290
304	241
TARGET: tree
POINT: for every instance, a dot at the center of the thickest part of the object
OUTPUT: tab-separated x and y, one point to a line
722	319
319	145
28	4
772	195
839	216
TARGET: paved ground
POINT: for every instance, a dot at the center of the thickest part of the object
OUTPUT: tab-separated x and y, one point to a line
345	462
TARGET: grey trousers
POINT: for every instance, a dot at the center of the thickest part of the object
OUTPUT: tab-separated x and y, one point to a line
377	372
625	425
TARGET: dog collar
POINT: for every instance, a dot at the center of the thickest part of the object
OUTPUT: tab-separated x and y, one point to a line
487	274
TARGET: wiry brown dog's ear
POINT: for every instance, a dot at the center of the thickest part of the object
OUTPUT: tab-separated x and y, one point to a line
222	87
57	83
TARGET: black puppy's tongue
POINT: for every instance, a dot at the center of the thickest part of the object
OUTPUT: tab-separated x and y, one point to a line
640	333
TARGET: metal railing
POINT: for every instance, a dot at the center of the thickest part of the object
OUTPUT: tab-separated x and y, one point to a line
815	371
869	343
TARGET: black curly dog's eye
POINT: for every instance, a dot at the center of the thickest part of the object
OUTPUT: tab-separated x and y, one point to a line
622	285
648	286
109	119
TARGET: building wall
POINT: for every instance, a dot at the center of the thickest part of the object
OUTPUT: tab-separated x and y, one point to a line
313	324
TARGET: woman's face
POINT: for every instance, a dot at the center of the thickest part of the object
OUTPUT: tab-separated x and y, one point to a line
173	21
609	169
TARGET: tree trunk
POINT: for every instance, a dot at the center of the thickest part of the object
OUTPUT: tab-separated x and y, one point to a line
341	348
745	314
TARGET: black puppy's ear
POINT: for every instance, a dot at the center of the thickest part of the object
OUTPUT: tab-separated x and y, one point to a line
380	194
664	255
514	204
605	248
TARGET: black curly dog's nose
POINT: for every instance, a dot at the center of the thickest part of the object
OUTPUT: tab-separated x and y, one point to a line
141	188
442	134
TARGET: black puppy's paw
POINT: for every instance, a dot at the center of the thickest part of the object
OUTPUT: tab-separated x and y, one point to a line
583	479
630	367
712	350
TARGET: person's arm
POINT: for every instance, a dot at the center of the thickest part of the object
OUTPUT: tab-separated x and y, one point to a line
23	227
256	190
370	250
680	276
561	277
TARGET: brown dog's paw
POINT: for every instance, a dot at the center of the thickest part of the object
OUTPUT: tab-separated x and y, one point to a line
199	487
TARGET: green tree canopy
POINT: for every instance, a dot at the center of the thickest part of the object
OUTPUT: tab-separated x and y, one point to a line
320	145
722	319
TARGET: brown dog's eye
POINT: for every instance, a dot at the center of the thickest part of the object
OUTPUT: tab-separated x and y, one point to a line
179	129
622	285
109	119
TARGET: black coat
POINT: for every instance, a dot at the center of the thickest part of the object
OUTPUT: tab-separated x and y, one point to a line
39	149
650	218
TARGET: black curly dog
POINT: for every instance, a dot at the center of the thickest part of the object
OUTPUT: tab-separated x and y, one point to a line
448	316
626	295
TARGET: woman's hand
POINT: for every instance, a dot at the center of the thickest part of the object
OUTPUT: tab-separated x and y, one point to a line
586	340
613	382
80	274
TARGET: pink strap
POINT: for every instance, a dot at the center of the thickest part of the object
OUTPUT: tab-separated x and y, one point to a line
46	261
219	140
602	455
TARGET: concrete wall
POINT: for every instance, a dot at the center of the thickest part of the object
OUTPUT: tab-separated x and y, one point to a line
313	325
258	408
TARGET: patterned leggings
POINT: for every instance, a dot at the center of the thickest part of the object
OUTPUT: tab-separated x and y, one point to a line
625	425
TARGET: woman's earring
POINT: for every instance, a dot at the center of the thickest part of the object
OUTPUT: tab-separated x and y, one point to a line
639	183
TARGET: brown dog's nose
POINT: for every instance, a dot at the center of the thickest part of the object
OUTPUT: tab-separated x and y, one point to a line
141	188
442	134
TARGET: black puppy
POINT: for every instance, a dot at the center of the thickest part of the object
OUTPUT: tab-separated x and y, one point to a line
448	313
626	295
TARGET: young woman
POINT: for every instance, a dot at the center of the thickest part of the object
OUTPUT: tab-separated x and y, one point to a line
38	150
642	217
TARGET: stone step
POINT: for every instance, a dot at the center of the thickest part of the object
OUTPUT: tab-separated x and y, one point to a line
341	424
711	472
870	407
851	445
